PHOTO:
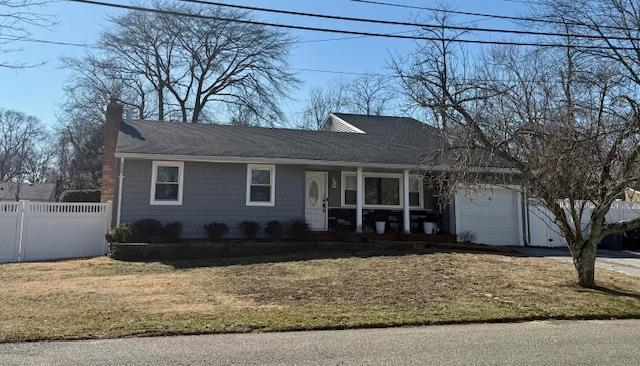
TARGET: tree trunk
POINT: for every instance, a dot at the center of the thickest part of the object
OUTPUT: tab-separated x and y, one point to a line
585	265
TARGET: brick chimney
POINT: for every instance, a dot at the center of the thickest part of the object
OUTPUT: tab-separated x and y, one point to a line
111	129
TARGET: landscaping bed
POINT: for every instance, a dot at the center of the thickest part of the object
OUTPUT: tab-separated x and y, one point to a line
238	248
103	297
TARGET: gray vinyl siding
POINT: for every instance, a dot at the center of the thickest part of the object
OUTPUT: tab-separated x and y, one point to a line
212	192
336	125
335	195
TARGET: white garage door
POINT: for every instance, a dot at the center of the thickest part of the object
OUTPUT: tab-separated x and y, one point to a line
492	215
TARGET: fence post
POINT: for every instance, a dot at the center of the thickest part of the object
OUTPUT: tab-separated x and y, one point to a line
22	224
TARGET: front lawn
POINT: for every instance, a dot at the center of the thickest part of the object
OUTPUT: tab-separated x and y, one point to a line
101	297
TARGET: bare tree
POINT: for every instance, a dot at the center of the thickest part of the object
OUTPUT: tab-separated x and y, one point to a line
564	123
323	101
224	62
94	81
16	19
81	117
188	67
22	156
140	47
78	154
440	60
370	94
40	167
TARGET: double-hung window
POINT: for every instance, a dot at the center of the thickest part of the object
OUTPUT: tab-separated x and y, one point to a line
349	189
261	185
415	191
167	182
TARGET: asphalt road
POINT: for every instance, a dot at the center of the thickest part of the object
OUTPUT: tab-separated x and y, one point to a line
534	343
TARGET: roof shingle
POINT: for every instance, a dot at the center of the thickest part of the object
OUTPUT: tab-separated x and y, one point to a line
42	192
388	140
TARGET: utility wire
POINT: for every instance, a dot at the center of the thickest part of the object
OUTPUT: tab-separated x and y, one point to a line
488	80
342	31
409	24
324	71
45	41
359	37
494	16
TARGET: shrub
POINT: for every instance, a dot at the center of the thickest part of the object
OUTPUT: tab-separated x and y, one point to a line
298	230
171	232
274	230
147	230
119	234
82	195
215	230
249	229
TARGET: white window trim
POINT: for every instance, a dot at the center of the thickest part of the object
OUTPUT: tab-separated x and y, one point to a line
379	175
272	175
420	190
154	175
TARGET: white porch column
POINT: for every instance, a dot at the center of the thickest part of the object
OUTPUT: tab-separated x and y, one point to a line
359	197
406	214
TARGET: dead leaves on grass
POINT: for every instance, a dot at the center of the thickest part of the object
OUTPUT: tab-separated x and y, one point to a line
103	297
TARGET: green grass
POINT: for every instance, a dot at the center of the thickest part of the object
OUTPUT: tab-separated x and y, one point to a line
101	297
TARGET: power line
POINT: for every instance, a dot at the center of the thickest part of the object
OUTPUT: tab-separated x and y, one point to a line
337	72
90	45
343	38
342	31
45	41
494	16
325	71
359	37
402	23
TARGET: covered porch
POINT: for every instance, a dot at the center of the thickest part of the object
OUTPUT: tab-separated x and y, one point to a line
354	198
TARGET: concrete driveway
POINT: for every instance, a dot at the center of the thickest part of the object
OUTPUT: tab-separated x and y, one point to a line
624	261
532	343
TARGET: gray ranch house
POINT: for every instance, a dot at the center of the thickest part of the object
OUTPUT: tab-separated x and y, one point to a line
355	169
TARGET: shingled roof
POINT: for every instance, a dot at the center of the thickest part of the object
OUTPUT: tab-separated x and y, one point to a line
385	125
43	192
387	140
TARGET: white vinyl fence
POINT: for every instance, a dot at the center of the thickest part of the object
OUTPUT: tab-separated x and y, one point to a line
544	232
31	231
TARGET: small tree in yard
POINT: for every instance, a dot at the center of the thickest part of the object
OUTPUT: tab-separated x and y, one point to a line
564	122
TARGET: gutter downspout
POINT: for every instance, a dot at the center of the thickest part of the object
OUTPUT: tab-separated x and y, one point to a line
120	181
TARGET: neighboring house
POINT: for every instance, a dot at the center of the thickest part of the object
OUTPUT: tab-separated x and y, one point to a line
631	194
41	192
356	167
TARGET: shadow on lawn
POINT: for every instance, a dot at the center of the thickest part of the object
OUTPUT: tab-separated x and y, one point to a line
332	254
616	292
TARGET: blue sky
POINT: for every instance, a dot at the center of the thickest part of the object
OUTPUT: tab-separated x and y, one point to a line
39	91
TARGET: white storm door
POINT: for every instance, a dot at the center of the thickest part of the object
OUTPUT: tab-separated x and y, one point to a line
316	200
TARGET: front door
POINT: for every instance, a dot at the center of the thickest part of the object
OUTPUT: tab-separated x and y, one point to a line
316	200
